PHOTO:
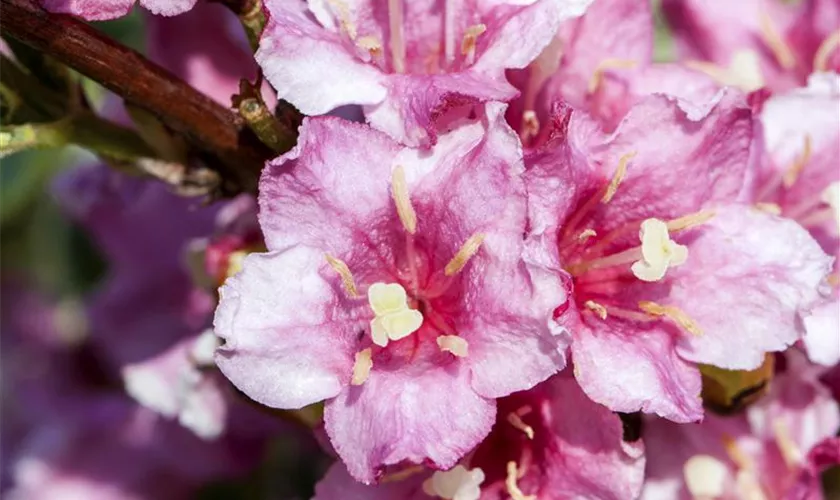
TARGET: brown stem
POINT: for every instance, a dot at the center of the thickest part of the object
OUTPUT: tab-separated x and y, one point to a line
239	155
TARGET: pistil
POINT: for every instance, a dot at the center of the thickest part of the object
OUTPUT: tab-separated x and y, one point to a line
774	41
511	483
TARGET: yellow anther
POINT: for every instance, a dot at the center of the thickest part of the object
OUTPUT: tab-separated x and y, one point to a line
770	208
346	276
774	41
361	367
705	476
586	234
690	220
343	13
833	279
471	34
735	453
530	124
673	313
394	320
458	483
799	163
370	44
618	176
399	191
607	64
829	45
743	71
791	453
597	308
512	486
464	254
453	344
659	251
515	419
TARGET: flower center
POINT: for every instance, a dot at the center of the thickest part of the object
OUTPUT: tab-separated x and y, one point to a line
400	309
600	270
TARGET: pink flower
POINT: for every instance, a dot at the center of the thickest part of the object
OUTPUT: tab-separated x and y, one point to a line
601	62
774	451
800	180
395	288
412	64
666	268
757	43
549	442
102	10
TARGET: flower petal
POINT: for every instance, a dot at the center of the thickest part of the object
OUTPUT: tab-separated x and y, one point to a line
289	333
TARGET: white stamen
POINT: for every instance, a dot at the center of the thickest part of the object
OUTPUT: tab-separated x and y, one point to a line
512	486
465	253
774	41
372	45
393	319
829	45
770	208
618	176
586	234
343	13
453	344
471	35
515	419
705	476
530	125
361	367
791	453
597	308
607	64
673	313
792	174
399	191
659	251
347	280
457	483
743	71
395	18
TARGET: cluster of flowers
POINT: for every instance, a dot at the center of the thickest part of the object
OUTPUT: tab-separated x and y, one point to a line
508	265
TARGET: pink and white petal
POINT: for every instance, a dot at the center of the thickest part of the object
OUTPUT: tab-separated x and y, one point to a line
588	457
90	10
425	413
822	333
621	89
310	66
168	7
326	191
748	277
289	333
610	30
671	141
645	373
419	107
338	483
516	34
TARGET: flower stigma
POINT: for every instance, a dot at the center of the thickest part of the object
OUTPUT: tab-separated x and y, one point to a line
457	483
659	251
394	320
